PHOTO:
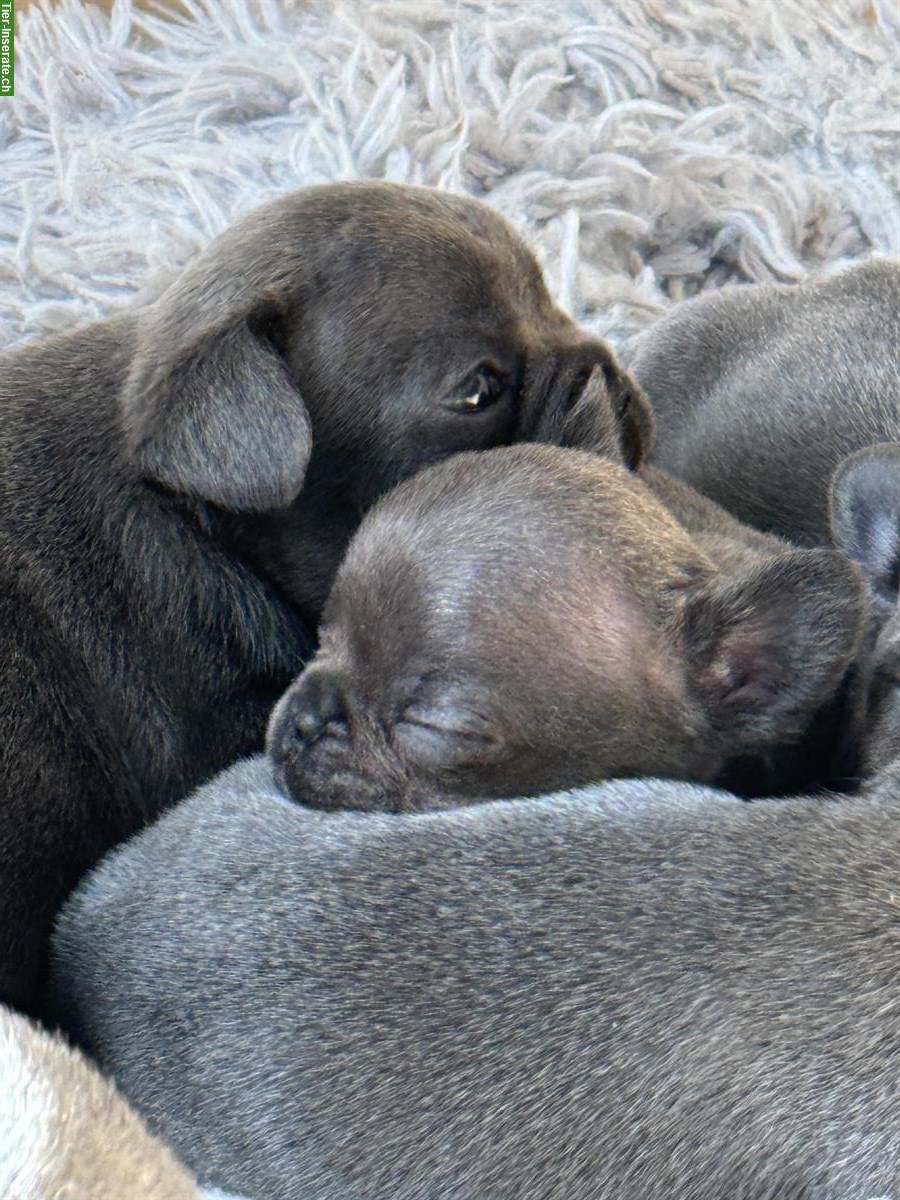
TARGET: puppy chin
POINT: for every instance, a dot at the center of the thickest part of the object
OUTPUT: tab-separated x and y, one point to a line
330	784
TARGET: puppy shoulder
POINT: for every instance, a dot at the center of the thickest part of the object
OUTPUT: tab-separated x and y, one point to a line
683	354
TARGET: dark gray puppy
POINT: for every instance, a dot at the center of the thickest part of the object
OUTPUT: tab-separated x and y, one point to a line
639	992
173	479
761	391
535	618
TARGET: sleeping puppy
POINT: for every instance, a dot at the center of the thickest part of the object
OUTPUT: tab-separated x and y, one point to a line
180	483
760	391
66	1132
640	991
535	618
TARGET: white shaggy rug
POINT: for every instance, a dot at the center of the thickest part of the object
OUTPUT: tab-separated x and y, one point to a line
646	148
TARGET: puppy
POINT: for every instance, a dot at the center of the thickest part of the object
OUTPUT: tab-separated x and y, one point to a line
761	391
865	524
637	992
535	618
641	991
66	1131
179	485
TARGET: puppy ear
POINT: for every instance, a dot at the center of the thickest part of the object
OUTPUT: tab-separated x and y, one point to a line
865	517
765	651
211	408
612	416
633	416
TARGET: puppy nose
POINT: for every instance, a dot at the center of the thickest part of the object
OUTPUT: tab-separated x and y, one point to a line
318	702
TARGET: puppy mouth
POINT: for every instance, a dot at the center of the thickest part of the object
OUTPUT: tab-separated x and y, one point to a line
333	791
561	401
323	774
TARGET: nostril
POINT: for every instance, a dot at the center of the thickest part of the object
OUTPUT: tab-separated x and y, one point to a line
319	706
307	725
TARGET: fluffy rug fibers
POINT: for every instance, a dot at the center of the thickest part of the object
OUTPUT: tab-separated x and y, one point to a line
646	148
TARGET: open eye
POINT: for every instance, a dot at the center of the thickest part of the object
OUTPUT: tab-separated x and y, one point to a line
481	389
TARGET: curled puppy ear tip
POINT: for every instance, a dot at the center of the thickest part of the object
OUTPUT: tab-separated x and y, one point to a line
611	416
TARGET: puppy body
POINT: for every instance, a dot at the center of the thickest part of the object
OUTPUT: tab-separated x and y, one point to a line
636	992
760	391
66	1131
179	484
141	655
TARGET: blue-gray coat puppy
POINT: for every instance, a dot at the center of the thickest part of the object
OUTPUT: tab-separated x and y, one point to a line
761	391
642	991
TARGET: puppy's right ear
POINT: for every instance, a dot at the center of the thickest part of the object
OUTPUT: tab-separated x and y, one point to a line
865	518
210	408
767	649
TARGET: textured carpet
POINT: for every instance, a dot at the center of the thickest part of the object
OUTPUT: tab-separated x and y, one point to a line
646	148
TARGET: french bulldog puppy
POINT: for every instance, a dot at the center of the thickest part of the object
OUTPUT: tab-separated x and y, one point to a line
761	391
66	1132
536	618
179	485
640	991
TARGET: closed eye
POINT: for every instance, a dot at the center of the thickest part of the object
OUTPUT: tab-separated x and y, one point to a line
445	737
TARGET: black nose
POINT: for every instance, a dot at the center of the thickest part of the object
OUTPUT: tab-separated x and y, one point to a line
318	704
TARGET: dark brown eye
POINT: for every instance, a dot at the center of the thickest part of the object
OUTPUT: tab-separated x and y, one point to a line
478	391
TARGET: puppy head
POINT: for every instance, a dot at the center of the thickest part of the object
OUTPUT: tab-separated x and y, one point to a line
865	524
531	619
335	342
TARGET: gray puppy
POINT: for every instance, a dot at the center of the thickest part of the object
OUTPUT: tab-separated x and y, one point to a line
761	391
536	618
639	992
179	485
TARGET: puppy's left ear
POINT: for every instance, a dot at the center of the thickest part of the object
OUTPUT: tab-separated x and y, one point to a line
765	650
612	416
865	518
211	409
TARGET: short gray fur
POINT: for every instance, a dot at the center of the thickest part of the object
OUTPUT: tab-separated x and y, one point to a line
641	991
